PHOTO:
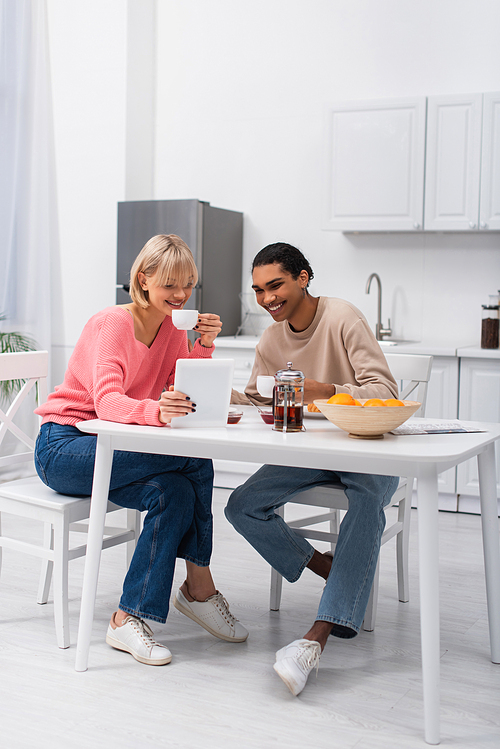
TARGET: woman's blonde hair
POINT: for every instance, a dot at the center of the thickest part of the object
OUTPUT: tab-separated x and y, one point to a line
168	256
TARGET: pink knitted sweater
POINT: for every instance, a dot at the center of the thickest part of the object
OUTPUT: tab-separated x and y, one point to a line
113	376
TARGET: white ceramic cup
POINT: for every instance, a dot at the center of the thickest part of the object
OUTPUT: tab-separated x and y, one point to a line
265	385
184	319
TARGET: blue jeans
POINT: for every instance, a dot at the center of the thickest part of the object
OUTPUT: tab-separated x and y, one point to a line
251	510
176	492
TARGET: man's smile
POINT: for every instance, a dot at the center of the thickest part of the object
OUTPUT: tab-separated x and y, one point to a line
275	307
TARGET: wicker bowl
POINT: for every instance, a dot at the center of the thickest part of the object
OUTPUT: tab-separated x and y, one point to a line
367	423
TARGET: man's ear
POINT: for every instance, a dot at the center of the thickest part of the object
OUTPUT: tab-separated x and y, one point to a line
303	278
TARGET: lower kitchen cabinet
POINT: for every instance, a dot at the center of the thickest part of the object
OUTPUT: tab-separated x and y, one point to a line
228	473
242	350
479	400
442	403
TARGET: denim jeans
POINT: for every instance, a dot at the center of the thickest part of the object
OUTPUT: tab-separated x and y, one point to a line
251	510
175	491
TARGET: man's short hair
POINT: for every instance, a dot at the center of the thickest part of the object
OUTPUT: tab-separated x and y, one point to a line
289	257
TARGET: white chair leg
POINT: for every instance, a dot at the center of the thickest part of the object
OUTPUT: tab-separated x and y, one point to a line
134	520
47	566
276	587
61	559
403	542
371	609
276	579
334	528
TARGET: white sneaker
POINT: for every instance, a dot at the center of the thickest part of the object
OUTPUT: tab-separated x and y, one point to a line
135	637
214	615
295	662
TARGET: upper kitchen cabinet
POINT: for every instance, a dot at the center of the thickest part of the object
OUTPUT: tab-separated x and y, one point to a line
453	161
375	165
489	207
376	156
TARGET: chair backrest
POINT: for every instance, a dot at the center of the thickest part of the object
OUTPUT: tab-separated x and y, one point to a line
412	372
31	367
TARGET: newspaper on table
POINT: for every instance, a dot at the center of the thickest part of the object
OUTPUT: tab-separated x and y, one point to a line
430	427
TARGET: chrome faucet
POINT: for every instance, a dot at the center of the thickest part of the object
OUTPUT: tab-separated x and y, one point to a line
380	331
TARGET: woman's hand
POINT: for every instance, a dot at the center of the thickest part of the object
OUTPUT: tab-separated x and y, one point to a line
173	404
209	326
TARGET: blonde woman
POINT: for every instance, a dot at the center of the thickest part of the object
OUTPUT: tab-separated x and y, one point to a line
122	369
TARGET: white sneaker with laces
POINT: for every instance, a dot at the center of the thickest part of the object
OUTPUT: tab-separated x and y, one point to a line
295	662
136	637
214	615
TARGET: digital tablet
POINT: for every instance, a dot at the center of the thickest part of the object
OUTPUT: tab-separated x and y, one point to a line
208	383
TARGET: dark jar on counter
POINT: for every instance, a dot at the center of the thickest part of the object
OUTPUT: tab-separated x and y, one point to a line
490	326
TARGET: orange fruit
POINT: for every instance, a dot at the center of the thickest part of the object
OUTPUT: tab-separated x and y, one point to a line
374	402
355	402
341	399
393	402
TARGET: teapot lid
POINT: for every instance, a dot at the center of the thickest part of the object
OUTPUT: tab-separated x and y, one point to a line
289	373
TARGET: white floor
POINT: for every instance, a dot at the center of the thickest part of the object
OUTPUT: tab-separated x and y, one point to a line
367	693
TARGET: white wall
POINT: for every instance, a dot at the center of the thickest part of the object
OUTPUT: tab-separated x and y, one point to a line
242	91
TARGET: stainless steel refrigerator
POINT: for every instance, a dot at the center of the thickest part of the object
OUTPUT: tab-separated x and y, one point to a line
215	237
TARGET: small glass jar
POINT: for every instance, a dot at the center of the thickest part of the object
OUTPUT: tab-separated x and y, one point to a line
288	399
490	326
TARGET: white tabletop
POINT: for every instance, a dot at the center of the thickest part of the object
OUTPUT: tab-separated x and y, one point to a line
321	446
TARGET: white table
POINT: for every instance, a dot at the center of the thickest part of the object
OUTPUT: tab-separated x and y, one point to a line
322	446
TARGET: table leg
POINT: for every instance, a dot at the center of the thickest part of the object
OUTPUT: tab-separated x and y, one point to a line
491	544
427	514
98	506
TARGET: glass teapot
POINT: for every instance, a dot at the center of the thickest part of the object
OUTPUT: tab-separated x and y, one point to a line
288	399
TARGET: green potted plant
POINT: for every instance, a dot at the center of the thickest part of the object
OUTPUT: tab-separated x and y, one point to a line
11	343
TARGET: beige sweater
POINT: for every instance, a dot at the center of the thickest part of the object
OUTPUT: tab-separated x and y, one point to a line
337	348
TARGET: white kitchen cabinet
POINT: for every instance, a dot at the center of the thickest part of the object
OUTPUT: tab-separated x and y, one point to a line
479	401
453	159
375	165
489	210
375	158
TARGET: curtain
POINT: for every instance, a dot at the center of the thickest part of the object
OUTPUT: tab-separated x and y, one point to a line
28	217
28	212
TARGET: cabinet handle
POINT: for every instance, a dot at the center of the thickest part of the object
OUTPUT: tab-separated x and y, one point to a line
472	225
483	225
416	225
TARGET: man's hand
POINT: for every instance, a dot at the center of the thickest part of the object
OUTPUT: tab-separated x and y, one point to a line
314	389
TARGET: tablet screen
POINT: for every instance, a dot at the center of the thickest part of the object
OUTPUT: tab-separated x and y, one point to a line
208	383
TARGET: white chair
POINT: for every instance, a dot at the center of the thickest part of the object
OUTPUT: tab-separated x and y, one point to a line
30	498
412	372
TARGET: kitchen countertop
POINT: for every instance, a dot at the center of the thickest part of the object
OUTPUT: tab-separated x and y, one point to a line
420	347
240	341
417	347
475	352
